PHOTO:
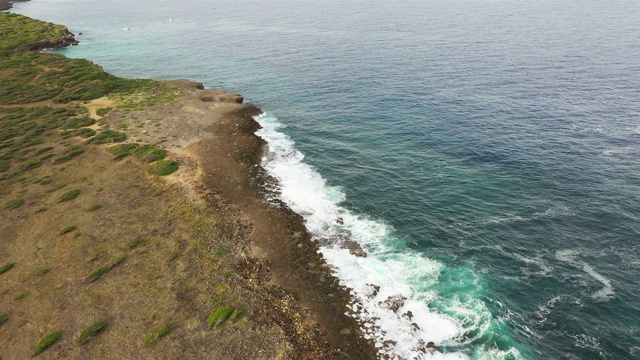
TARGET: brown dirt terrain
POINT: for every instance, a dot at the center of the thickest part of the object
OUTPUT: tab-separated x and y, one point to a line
175	248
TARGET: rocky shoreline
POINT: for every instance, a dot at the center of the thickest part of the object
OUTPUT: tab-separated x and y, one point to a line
8	4
225	244
292	284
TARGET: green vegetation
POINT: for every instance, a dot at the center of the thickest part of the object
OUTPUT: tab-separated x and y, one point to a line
17	30
92	331
31	164
97	273
163	168
46	341
43	271
149	153
152	339
3	319
122	150
224	315
95	207
107	136
134	243
6	267
13	204
146	153
67	230
69	154
70	195
103	111
76	123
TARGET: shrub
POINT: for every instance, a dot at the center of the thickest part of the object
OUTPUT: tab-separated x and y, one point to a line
79	122
97	273
3	319
70	195
122	150
163	168
6	267
152	339
149	153
107	136
219	316
67	230
13	204
46	341
92	331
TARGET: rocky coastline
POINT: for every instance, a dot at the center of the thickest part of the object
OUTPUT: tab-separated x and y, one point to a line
201	239
8	4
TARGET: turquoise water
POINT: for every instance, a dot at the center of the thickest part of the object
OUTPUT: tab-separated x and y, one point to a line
485	153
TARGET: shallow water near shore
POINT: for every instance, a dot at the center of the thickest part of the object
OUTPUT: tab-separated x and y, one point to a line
483	153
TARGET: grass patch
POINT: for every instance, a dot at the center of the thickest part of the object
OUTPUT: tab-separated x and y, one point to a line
41	210
106	137
76	123
134	243
97	273
6	267
122	150
151	340
219	317
163	168
3	319
67	230
103	111
4	165
13	204
91	332
47	341
43	271
69	154
95	207
70	195
31	164
149	153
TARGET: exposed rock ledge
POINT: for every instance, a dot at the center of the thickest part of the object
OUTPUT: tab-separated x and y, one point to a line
66	40
7	4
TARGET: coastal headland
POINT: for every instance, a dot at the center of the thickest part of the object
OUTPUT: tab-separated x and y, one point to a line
134	222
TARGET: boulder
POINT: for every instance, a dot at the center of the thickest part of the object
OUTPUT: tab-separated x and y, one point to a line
394	302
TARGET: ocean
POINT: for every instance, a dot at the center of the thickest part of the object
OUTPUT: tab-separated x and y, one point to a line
485	153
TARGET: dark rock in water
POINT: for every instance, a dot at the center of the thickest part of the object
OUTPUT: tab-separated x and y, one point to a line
374	290
431	345
394	302
354	248
340	221
408	314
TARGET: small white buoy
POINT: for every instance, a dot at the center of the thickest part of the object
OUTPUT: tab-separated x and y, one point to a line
170	19
127	28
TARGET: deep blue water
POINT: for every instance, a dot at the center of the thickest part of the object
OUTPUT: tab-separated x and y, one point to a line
486	153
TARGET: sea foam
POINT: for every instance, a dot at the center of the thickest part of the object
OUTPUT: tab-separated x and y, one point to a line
391	285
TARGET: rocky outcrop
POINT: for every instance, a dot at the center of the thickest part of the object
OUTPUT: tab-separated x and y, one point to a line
5	5
66	40
209	96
